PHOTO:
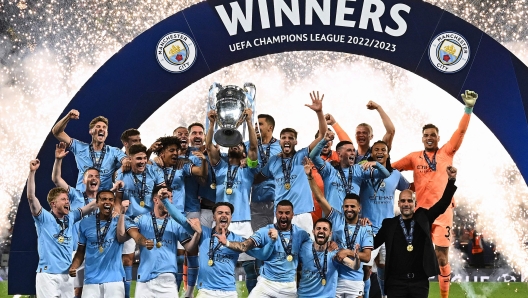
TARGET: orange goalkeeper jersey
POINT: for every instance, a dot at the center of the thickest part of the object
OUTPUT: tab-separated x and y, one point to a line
428	184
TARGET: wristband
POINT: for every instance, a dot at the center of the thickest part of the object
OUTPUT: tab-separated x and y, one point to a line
227	244
468	110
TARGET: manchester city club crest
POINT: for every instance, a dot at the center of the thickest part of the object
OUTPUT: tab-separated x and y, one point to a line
449	52
176	52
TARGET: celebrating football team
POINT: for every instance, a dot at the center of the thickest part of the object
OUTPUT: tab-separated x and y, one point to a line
309	222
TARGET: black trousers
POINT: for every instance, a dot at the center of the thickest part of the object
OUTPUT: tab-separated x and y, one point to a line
407	288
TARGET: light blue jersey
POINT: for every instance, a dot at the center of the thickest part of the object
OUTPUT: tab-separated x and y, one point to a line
241	188
310	285
192	187
221	275
55	256
265	191
177	183
159	260
77	200
334	188
106	266
277	267
377	198
299	193
111	162
364	238
135	186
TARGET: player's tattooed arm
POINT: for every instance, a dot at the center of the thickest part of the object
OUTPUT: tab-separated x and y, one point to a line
243	246
58	129
140	239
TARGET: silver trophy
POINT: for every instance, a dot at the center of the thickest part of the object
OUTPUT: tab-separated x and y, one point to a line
230	102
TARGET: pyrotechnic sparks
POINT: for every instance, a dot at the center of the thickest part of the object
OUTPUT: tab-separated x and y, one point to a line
49	48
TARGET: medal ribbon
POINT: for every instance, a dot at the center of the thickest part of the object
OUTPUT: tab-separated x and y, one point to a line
408	234
101	235
376	184
211	243
346	183
322	272
142	191
97	162
211	170
350	242
230	176
287	248
158	233
264	156
286	169
431	164
86	202
63	226
170	177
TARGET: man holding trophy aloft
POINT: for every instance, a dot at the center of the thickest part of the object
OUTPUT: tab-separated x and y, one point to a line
233	180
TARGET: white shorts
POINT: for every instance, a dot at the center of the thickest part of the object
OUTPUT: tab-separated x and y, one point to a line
349	288
273	289
129	246
106	290
303	221
163	286
54	285
206	218
204	293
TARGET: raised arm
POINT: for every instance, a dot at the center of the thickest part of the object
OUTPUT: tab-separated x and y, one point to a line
317	107
192	246
390	130
174	212
58	129
34	204
319	197
253	145
201	170
375	170
87	209
341	134
56	175
315	154
441	206
470	98
212	151
122	235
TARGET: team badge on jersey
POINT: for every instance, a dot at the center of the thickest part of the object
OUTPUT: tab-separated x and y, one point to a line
449	52
176	52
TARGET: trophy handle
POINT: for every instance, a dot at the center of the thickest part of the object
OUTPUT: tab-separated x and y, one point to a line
211	102
250	91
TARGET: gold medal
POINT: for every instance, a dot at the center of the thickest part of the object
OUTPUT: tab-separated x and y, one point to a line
101	249
213	185
229	191
409	247
289	258
142	204
61	239
323	282
210	262
287	186
382	185
158	245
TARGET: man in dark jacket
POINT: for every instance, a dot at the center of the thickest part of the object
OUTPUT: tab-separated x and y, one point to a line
411	257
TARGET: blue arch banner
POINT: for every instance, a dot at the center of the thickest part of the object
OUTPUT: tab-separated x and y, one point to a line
208	36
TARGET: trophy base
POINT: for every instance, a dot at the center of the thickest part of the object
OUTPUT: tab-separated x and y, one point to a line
228	137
